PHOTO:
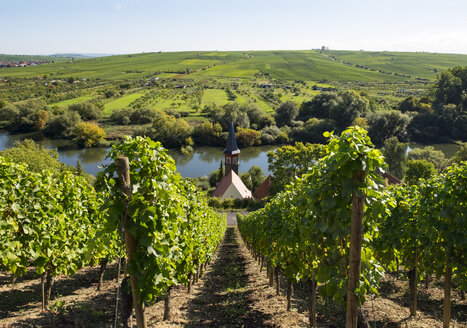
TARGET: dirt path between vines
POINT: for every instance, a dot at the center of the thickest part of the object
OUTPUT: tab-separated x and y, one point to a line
232	293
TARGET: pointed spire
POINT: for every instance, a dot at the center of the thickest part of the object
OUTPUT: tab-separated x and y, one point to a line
231	147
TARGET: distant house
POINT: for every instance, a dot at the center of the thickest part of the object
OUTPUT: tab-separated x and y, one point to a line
391	180
263	189
231	186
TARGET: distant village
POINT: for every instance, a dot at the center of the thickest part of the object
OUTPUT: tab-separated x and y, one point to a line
23	63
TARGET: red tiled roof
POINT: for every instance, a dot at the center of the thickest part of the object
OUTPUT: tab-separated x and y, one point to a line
229	179
263	189
392	180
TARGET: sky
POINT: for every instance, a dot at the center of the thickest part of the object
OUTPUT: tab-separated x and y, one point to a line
132	26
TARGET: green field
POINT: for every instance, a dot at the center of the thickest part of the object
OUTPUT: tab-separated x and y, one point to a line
282	65
121	102
215	96
419	64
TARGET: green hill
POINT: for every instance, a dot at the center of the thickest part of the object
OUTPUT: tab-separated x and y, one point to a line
416	64
333	66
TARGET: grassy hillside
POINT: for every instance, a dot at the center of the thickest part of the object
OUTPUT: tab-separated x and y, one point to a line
417	64
332	66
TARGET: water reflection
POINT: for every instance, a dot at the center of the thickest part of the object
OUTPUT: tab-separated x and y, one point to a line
201	162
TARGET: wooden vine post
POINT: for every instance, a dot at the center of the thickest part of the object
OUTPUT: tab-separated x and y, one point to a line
356	236
123	170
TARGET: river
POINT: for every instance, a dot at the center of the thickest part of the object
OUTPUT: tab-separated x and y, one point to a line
202	161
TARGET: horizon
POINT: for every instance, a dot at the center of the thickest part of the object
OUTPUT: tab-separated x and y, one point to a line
216	50
137	26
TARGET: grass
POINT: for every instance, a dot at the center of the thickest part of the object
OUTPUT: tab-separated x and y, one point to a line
121	102
215	96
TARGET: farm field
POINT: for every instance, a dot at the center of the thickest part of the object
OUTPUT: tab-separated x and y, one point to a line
421	64
285	65
121	102
187	81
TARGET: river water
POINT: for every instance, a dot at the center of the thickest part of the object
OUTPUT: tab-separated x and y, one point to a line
201	162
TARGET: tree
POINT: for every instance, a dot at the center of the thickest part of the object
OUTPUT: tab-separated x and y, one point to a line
286	113
62	126
342	107
88	134
319	107
258	118
387	124
22	116
38	158
461	154
221	172
419	169
450	85
288	162
313	130
253	178
395	155
170	131
42	116
87	111
247	137
436	157
208	133
228	113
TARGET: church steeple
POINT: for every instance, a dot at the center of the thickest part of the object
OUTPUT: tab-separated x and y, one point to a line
231	152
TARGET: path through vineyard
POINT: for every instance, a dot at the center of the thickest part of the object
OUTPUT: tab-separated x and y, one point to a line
232	293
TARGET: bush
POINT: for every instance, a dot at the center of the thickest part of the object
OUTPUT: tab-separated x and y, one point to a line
87	111
419	169
88	134
247	137
286	113
121	116
208	133
170	131
61	126
228	203
35	156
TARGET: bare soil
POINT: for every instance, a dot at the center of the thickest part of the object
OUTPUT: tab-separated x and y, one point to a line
232	293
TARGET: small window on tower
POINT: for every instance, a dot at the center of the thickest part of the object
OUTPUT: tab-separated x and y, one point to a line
227	160
234	160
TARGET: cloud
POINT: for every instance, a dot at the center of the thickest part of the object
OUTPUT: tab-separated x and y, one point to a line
118	7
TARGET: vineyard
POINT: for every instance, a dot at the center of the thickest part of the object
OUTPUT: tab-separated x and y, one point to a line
58	224
329	240
305	232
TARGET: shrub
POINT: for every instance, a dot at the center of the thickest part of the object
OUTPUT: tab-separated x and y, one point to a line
61	126
88	134
87	111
